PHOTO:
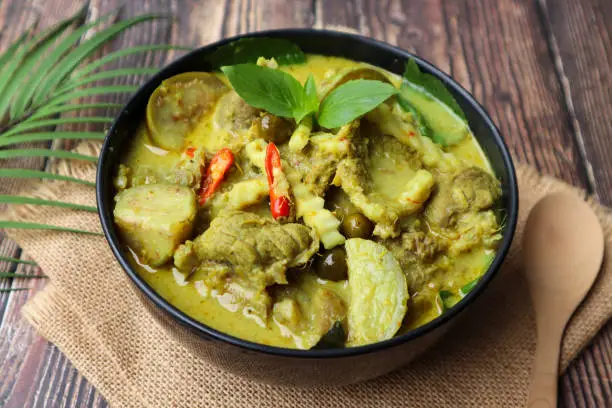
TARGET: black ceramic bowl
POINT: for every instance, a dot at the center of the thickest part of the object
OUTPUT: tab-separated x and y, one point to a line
287	366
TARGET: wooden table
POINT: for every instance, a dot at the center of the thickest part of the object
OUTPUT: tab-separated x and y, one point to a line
540	67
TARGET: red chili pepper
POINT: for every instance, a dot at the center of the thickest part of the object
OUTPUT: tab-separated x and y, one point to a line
280	197
215	173
190	151
410	200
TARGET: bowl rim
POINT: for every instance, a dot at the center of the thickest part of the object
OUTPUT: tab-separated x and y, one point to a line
209	333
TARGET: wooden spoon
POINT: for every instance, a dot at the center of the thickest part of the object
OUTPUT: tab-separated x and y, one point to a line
563	248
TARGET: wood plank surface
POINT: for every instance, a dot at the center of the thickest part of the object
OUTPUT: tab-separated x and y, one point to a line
580	42
580	34
546	86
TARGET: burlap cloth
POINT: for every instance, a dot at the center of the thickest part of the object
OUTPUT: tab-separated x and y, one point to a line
89	311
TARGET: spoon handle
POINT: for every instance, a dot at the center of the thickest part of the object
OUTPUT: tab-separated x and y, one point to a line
545	371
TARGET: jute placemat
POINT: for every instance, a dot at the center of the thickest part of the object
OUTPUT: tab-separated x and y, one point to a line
89	311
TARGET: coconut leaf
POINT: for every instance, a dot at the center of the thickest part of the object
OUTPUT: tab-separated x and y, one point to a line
92	66
37	226
8	54
40	46
16	260
30	89
104	75
69	62
20	275
13	63
55	109
34	124
40	136
41	76
27	173
10	199
7	154
99	90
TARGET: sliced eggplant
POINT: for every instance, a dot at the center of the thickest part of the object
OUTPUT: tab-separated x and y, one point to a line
177	105
378	291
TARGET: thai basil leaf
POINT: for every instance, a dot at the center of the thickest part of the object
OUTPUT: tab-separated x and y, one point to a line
433	86
248	50
310	90
352	100
273	90
311	100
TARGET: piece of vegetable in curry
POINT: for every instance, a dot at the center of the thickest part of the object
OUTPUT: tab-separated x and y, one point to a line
262	223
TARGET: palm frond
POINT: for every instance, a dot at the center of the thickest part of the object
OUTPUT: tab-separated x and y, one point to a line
56	109
37	226
104	75
62	154
69	62
20	275
31	123
28	173
32	54
43	136
32	84
8	54
42	74
16	260
10	199
113	56
13	58
5	290
99	90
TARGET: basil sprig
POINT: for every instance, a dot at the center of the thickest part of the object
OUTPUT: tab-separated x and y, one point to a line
351	100
270	89
282	95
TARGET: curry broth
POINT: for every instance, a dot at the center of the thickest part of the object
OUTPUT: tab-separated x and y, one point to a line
390	173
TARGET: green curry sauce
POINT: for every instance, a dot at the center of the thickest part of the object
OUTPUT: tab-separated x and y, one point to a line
442	243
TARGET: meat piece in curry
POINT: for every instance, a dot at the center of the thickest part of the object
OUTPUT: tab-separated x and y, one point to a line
270	227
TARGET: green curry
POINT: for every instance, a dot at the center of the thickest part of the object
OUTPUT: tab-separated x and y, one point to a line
284	232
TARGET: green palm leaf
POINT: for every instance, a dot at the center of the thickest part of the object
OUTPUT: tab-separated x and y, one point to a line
4	290
55	109
37	226
13	61
100	90
30	87
9	199
7	154
42	136
38	46
16	260
74	57
19	275
92	66
28	173
104	75
41	76
8	54
34	124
